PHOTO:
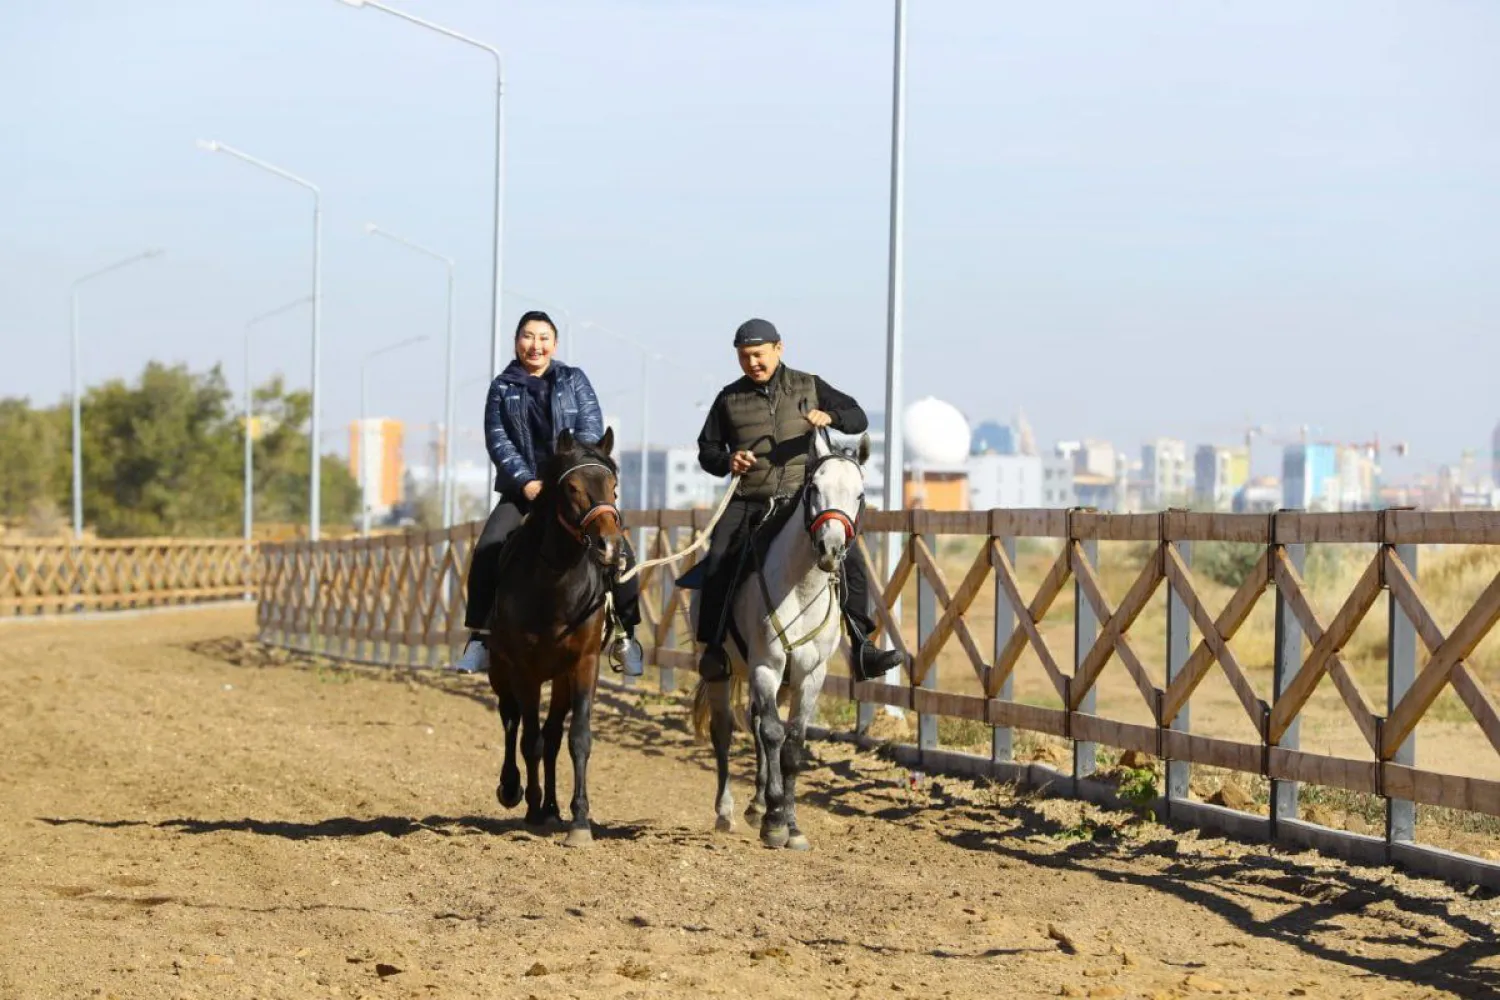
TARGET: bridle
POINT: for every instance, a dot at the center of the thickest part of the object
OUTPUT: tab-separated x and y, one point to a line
816	519
591	515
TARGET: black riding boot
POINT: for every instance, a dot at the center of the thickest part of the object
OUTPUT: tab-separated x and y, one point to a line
868	660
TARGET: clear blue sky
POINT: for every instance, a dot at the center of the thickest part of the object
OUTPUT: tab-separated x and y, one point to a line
1129	218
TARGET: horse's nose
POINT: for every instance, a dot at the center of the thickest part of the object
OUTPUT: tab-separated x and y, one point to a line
830	554
609	551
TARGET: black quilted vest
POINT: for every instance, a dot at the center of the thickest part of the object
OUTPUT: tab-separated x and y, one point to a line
769	422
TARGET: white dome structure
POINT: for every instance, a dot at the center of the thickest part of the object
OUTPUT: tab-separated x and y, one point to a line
937	436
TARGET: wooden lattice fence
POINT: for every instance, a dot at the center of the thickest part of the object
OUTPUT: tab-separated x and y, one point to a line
57	577
398	599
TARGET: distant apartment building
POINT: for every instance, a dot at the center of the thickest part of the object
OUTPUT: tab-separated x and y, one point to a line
1258	496
1309	477
1057	482
1005	481
1218	475
674	480
1495	458
382	441
1165	474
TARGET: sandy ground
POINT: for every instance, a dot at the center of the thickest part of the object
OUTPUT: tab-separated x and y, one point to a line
185	816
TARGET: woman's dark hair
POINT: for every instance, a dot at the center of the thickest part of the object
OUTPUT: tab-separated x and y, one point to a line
535	314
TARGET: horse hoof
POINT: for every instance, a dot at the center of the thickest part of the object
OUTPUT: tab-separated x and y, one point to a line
754	813
798	842
724	824
554	824
579	836
774	836
510	799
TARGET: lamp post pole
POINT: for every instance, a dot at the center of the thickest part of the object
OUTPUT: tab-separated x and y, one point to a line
498	353
895	295
249	404
77	403
315	465
449	390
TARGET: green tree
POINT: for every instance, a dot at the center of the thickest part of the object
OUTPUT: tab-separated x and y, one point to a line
34	448
162	456
282	459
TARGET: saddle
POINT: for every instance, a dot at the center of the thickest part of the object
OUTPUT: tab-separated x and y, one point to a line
750	554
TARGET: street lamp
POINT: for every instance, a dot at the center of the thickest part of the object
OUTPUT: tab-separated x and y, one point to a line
315	491
895	295
249	461
448	387
498	353
77	389
363	438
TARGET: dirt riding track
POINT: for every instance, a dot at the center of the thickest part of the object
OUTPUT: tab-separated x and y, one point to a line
187	816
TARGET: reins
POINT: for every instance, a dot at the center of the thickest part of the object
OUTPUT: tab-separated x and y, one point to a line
699	540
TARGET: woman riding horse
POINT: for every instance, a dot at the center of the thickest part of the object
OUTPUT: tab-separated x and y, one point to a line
531	403
548	623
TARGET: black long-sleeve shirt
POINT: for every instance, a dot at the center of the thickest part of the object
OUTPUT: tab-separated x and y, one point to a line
715	448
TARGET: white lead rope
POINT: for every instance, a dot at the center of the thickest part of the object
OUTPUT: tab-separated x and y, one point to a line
699	540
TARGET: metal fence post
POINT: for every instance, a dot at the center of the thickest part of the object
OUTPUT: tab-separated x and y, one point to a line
1002	738
1179	647
1288	662
927	725
1401	672
1085	633
879	576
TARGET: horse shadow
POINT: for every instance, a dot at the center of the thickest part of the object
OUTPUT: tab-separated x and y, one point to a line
352	827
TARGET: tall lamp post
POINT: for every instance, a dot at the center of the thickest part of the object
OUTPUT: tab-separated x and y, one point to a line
363	439
498	354
447	500
249	404
315	490
895	295
78	389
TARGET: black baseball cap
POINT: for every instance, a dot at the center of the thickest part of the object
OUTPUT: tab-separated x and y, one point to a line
754	332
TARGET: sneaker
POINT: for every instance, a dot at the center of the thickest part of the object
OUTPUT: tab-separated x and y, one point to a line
626	653
475	659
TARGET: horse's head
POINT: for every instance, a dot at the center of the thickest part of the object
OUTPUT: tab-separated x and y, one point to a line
584	483
834	498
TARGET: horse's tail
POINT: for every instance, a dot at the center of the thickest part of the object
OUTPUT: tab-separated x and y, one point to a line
703	709
703	712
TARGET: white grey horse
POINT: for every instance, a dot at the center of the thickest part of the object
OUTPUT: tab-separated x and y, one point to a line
787	610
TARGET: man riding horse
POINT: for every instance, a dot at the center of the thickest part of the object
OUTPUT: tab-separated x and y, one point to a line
759	428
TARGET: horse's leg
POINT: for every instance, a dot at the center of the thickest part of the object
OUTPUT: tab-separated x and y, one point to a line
532	747
552	734
509	789
721	728
804	702
580	743
756	810
764	682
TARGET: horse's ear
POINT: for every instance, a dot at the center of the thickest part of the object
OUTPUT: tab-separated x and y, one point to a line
607	442
565	441
863	455
820	446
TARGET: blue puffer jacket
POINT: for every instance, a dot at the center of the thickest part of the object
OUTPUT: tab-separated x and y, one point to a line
507	432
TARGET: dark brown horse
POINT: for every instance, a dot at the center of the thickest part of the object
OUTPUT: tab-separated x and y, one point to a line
548	622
